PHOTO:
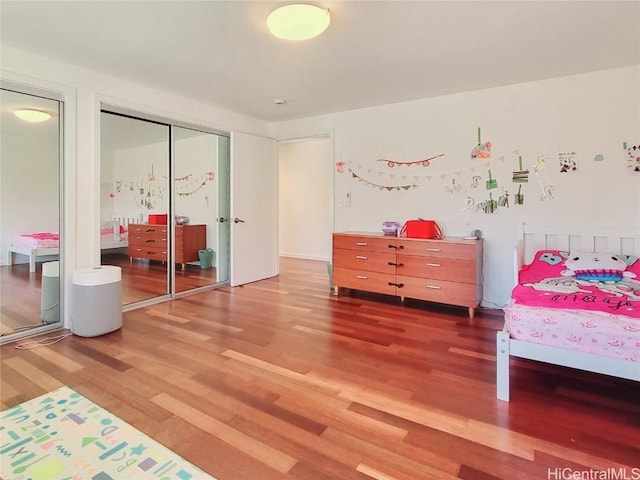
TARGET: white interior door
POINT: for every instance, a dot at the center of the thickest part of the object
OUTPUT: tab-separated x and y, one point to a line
254	208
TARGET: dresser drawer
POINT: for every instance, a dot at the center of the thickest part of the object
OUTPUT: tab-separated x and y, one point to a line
152	253
363	260
361	280
438	248
449	269
148	240
438	291
139	229
364	243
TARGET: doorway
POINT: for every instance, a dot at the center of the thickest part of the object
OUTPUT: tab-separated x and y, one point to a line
306	197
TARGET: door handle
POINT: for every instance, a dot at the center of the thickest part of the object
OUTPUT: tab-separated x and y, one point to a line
222	219
237	220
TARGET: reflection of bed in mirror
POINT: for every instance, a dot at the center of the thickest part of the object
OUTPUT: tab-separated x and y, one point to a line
113	234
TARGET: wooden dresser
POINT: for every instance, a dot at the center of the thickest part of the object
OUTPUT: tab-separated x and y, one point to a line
446	271
151	242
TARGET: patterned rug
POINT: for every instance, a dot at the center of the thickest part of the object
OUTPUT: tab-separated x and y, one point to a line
62	435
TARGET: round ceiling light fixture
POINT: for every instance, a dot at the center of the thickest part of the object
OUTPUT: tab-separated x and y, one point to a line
298	21
32	115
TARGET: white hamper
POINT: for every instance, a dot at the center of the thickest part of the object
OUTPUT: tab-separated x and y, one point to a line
50	293
96	300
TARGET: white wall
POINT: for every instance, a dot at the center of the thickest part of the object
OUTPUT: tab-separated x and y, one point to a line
86	91
196	191
143	172
588	114
306	198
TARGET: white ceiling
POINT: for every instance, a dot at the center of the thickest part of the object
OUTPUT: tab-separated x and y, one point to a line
373	53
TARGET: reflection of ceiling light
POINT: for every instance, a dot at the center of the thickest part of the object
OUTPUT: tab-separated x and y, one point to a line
31	115
298	21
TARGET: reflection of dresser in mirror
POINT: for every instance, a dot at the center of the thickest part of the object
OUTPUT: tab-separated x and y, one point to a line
151	242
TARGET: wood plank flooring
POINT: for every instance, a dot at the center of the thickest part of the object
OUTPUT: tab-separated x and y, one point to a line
141	280
281	380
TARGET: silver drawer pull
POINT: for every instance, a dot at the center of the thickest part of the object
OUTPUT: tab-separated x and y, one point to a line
362	277
361	257
433	264
435	287
362	244
433	249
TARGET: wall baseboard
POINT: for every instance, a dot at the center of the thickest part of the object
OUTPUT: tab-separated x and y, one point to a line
305	257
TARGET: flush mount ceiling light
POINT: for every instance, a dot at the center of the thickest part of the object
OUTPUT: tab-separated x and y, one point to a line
298	21
31	115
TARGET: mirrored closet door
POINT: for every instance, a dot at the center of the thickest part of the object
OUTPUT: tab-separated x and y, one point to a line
164	206
134	191
30	219
199	258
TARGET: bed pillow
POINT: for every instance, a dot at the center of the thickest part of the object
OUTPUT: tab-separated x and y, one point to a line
597	267
545	263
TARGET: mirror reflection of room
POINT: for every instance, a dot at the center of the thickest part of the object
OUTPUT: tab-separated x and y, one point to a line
135	206
29	214
134	191
196	204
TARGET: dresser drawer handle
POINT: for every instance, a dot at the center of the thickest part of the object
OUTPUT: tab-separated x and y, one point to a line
361	257
391	264
433	249
398	285
362	244
362	277
151	230
433	265
434	287
151	240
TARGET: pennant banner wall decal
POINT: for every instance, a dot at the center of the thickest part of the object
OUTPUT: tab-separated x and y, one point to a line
382	187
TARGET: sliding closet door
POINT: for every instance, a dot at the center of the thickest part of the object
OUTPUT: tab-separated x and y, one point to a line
135	222
30	167
197	251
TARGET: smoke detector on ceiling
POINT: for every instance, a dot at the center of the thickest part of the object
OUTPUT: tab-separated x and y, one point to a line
280	101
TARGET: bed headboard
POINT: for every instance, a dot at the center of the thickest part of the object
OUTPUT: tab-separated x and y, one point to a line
126	219
534	237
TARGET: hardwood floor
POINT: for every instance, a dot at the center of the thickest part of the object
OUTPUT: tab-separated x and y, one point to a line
141	280
281	380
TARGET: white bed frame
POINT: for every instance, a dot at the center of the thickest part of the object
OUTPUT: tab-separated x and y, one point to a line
538	237
117	242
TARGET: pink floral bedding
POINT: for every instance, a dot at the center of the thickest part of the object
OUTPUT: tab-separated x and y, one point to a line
594	310
549	281
33	241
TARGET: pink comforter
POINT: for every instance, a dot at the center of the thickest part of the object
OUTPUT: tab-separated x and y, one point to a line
43	236
543	284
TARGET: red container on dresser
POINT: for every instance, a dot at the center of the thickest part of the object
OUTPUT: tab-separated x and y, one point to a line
157	219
